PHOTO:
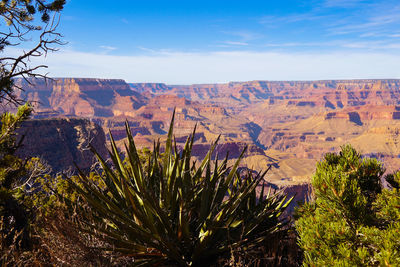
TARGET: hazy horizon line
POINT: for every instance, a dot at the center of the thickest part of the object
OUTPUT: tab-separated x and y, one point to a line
217	83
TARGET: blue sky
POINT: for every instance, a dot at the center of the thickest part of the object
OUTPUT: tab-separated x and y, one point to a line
218	41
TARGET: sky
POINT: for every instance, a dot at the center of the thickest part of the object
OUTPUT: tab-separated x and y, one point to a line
185	42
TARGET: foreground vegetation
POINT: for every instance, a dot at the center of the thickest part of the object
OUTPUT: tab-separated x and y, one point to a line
353	221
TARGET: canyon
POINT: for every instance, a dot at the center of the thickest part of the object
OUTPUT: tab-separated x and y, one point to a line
288	125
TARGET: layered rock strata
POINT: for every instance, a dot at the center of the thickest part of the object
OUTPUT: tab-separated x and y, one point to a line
287	124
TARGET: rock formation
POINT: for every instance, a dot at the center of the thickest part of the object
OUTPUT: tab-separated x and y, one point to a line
62	142
80	97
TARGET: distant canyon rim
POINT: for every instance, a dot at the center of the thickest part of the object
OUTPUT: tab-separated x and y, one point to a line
289	125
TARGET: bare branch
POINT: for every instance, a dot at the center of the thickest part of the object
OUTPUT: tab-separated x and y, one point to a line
19	18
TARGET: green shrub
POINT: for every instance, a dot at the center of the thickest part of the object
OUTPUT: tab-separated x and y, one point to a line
353	221
14	216
176	211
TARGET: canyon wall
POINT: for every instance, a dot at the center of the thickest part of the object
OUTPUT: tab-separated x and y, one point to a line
81	97
288	125
62	142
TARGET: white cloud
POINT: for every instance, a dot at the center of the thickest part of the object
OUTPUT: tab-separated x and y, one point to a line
108	48
211	67
244	35
362	18
379	18
235	43
376	22
293	18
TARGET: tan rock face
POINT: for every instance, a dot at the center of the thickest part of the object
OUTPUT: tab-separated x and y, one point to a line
87	98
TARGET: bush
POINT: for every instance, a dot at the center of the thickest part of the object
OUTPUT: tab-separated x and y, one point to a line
15	217
353	221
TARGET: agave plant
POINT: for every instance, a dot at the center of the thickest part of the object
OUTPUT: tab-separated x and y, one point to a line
176	211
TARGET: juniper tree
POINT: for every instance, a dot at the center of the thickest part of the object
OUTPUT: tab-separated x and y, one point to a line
13	215
353	221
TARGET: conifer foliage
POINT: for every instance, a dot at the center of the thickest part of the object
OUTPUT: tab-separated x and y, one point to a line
14	216
353	221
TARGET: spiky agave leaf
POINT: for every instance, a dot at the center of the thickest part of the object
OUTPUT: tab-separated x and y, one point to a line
176	212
